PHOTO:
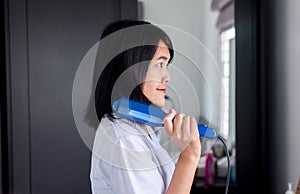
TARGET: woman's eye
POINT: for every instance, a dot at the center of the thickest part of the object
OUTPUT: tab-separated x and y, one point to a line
159	64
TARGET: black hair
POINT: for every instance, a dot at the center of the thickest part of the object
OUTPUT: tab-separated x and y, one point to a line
126	47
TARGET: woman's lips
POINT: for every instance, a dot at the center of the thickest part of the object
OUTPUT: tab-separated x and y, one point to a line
162	89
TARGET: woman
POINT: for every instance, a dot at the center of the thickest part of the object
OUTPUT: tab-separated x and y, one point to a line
133	57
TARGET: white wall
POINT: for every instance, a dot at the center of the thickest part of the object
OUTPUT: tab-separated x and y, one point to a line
286	144
200	43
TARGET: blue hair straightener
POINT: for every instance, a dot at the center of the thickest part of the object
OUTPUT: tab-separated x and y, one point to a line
150	115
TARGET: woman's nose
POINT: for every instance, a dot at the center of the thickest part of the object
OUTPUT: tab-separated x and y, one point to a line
166	77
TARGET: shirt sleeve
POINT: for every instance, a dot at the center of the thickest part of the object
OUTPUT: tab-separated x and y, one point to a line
124	161
130	168
138	171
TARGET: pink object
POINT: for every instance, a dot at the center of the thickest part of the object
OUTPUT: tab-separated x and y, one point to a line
209	169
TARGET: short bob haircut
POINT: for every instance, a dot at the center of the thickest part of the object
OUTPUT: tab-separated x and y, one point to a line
126	48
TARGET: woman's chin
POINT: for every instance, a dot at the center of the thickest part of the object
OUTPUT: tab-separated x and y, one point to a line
159	103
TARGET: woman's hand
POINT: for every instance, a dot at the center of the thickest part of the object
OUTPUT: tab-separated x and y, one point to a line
183	131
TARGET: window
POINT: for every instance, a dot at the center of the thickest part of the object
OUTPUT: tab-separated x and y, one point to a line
228	84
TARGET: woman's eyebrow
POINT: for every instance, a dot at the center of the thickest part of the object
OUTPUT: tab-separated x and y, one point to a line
162	57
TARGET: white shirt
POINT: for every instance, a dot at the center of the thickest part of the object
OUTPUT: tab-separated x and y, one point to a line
126	160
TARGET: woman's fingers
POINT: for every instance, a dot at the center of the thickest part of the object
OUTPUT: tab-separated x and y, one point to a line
168	121
177	124
186	129
183	130
194	128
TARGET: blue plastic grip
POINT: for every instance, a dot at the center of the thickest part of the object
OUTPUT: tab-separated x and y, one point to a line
207	132
150	115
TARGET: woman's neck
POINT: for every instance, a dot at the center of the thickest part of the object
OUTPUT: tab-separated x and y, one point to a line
145	129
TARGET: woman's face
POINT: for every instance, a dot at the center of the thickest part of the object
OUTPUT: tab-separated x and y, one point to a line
154	86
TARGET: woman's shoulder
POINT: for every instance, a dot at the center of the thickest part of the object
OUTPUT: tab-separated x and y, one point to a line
120	130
